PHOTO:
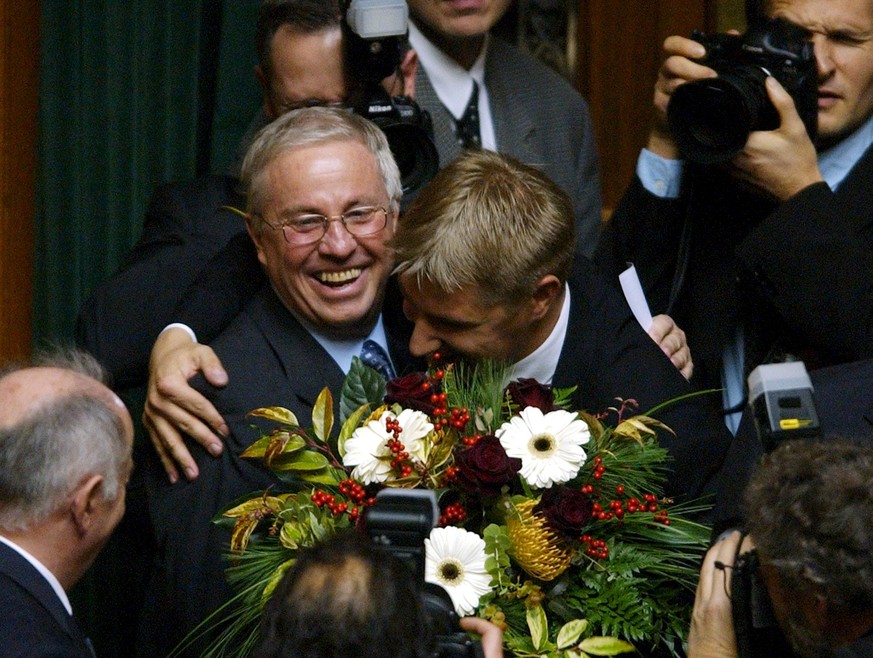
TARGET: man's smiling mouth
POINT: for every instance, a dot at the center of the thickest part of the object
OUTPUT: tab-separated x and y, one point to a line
339	278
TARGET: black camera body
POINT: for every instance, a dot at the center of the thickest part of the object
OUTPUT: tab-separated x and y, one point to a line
374	34
757	631
711	119
398	522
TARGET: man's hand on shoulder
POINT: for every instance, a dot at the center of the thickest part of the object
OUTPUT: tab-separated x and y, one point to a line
780	162
173	408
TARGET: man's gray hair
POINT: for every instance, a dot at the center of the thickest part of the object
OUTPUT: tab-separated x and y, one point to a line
307	127
47	453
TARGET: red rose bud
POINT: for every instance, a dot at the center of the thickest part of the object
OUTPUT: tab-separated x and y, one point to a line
485	467
566	509
530	393
412	391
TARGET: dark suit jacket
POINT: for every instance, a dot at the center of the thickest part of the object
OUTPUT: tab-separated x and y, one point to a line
799	277
271	360
34	622
184	227
607	355
538	119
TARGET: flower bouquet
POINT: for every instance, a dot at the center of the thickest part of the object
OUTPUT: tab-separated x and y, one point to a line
553	523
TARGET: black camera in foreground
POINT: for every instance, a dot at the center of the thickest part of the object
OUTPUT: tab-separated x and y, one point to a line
711	119
398	522
374	37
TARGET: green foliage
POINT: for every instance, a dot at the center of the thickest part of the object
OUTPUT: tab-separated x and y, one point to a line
479	389
362	386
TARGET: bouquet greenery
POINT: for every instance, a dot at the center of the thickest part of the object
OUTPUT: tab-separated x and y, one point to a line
553	523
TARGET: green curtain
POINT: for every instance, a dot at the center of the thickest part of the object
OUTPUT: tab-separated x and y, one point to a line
128	98
133	94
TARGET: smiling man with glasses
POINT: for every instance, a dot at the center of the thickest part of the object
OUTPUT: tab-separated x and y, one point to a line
323	194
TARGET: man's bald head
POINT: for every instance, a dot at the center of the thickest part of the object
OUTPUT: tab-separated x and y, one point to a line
59	424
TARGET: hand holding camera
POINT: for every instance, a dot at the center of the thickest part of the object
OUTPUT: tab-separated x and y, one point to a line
747	102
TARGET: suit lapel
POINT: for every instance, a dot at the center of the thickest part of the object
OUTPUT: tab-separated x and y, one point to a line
443	123
23	572
307	367
514	129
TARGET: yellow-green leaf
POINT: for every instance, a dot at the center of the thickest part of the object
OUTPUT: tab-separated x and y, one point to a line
571	632
352	423
326	476
272	502
538	626
278	414
605	646
242	530
259	448
304	461
322	415
275	578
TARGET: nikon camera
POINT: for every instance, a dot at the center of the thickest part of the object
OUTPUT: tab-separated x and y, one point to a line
711	119
374	39
398	523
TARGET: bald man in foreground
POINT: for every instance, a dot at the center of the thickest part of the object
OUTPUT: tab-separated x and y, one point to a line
65	457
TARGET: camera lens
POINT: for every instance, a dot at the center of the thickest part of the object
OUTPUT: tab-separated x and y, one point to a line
711	119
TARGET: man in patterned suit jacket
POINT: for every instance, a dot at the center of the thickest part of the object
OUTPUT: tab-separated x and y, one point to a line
65	446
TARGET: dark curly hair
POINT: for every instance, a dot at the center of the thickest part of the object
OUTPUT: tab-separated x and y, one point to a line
809	508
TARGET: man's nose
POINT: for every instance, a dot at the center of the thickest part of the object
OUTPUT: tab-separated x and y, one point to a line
423	340
337	241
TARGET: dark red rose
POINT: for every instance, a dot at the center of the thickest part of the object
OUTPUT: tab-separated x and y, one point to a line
530	393
412	391
566	509
484	467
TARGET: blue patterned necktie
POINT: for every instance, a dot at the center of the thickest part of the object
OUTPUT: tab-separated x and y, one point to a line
374	356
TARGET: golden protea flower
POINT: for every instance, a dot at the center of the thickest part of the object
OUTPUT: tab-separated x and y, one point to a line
537	548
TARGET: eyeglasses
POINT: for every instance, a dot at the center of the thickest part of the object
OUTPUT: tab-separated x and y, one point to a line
307	229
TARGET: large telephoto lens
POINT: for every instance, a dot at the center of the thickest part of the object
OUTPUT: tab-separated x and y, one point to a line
711	119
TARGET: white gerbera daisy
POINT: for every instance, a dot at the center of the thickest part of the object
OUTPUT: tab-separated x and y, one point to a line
455	559
549	446
367	448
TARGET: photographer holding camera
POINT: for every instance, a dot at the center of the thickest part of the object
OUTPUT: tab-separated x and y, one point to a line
346	597
765	253
809	513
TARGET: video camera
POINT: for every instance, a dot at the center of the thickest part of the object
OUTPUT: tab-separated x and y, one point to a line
374	38
781	399
711	119
398	522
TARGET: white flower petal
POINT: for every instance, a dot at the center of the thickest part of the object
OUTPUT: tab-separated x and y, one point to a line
460	554
549	445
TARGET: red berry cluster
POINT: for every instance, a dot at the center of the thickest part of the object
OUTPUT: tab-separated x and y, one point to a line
453	514
400	463
597	548
598	468
324	499
471	440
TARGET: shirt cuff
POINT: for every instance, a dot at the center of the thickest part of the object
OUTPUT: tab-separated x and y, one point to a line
183	327
660	176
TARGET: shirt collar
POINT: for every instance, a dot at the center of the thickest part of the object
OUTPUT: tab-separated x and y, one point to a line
451	82
342	350
836	163
43	570
542	363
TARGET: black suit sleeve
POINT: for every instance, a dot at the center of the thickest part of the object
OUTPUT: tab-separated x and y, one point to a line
186	224
812	261
222	289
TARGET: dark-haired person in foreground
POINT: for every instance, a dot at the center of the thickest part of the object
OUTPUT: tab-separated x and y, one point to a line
809	513
65	457
346	598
